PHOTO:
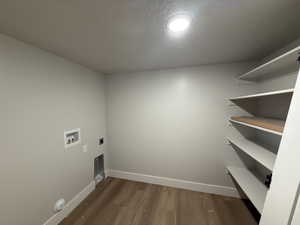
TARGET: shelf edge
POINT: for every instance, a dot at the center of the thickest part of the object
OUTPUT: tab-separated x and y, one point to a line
256	127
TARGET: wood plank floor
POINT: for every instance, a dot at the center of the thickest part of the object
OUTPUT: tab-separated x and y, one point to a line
122	202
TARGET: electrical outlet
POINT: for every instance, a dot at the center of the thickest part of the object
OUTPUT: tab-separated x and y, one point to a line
101	140
84	148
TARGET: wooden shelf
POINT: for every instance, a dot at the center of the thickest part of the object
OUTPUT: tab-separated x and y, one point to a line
260	95
264	124
252	187
285	62
255	151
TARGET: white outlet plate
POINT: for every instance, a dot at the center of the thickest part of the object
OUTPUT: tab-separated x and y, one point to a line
84	148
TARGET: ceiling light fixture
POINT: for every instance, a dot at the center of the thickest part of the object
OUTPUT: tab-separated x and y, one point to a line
178	25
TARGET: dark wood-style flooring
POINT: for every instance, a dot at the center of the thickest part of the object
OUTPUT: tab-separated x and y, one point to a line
122	202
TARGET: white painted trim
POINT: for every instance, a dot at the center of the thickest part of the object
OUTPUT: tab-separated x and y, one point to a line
176	183
256	127
106	172
287	58
252	187
254	150
71	205
265	94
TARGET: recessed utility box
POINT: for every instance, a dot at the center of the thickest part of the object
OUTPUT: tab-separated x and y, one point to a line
72	137
99	174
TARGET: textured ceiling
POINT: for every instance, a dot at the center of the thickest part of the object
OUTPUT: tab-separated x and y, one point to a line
129	35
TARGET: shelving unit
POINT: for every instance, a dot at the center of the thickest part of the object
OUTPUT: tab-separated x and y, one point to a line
253	188
266	94
264	107
285	62
257	152
268	125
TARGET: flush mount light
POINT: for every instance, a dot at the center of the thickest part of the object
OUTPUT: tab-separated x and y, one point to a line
179	24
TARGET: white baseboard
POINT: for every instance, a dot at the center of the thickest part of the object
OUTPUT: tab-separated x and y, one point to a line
170	182
71	205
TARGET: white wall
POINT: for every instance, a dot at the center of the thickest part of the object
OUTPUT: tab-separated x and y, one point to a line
173	123
41	95
284	81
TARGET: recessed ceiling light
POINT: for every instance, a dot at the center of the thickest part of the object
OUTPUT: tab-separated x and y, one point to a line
179	24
